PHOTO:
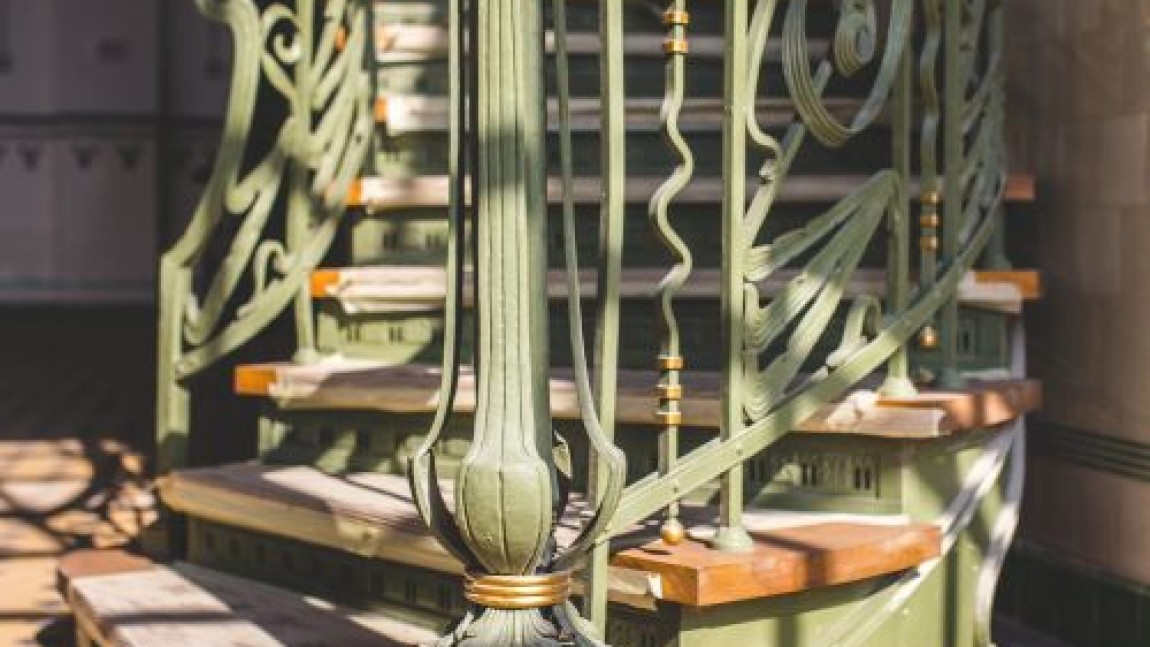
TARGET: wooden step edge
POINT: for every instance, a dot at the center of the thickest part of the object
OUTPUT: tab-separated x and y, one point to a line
406	113
411	287
1028	282
376	193
784	561
412	43
126	602
93	562
413	389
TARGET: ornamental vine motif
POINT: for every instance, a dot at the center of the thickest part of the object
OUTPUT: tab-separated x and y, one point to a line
296	133
300	178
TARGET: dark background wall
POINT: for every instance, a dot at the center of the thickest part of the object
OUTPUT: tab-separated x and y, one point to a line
1080	119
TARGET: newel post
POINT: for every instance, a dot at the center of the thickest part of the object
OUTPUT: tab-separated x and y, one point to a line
507	497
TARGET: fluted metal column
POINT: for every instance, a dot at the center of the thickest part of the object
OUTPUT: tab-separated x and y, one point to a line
506	493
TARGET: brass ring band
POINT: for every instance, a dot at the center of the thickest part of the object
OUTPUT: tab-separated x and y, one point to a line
670	391
930	220
517	591
676	17
930	244
676	46
671	363
931	198
341	39
670	418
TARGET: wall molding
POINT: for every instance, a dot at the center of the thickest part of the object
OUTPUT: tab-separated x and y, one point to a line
1073	601
1102	452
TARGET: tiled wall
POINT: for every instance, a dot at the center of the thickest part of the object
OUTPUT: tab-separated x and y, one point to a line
1080	120
106	109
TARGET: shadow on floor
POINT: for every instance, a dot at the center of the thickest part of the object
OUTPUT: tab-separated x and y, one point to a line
76	389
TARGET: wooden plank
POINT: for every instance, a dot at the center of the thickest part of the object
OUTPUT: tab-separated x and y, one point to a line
1028	282
784	561
92	562
983	404
403	114
1021	187
413	388
407	288
387	193
199	607
396	43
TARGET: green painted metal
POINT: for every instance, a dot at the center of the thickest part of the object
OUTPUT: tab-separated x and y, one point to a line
782	355
507	490
316	151
606	465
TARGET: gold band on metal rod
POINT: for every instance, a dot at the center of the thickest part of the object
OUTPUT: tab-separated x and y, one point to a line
517	591
676	17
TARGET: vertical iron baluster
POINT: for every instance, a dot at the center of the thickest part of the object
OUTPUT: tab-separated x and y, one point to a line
996	257
670	361
300	217
731	535
954	96
929	217
613	171
898	382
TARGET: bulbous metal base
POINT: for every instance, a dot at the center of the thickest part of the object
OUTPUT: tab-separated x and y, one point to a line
559	626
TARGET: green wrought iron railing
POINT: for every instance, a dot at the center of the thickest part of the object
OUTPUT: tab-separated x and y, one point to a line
507	543
928	74
296	134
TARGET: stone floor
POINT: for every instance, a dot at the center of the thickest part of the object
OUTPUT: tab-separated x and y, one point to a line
75	393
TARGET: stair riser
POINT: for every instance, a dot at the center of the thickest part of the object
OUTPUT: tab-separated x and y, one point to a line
414	154
426	598
644	76
417	337
405	235
816	473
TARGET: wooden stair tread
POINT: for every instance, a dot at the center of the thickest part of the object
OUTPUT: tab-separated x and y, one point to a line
384	193
424	113
367	514
784	561
372	515
129	602
407	288
403	43
413	388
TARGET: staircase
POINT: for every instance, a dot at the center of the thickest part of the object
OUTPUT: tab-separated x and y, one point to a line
876	515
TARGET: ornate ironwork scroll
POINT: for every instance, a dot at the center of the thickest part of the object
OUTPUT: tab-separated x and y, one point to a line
773	340
671	362
276	193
